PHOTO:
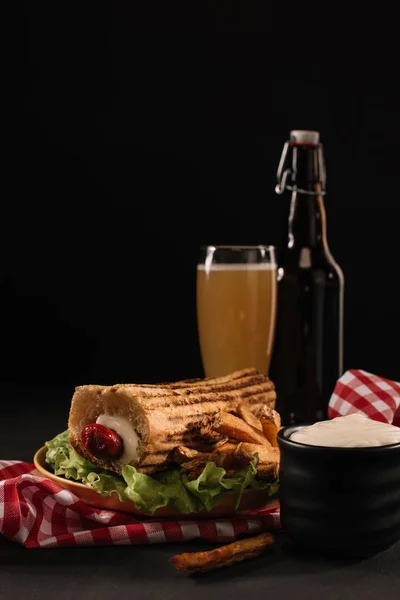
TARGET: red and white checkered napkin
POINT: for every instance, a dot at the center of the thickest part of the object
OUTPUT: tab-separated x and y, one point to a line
358	391
38	513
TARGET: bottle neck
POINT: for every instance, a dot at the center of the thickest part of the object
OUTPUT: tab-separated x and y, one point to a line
307	218
307	222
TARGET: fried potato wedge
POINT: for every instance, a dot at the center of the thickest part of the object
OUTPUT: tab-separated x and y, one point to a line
224	555
262	409
267	470
224	455
197	471
270	431
196	463
269	458
272	415
236	428
271	423
266	454
245	413
182	454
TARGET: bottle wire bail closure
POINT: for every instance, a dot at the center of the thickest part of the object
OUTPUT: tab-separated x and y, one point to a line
283	174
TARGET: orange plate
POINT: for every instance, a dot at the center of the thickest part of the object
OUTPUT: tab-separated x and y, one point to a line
251	500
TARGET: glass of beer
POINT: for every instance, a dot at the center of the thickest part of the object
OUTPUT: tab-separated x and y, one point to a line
236	307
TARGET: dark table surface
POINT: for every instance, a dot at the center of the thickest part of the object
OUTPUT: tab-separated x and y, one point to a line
30	415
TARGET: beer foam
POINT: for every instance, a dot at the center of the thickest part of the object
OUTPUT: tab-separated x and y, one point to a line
237	267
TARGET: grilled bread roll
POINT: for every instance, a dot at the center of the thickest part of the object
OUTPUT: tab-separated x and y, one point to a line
152	420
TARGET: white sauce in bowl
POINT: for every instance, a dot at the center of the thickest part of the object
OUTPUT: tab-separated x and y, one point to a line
351	431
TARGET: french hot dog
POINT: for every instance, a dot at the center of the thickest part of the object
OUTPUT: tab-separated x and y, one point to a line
141	425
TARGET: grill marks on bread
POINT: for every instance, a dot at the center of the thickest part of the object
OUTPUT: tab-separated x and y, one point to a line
168	415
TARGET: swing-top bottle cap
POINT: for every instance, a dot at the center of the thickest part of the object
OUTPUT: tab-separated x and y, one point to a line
287	173
304	136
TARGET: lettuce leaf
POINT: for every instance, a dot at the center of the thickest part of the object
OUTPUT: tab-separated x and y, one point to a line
272	487
66	462
171	488
166	489
106	483
175	490
241	480
208	487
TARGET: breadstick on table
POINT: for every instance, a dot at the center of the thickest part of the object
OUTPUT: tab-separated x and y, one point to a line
224	555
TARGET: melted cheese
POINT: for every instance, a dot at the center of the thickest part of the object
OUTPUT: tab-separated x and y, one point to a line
129	436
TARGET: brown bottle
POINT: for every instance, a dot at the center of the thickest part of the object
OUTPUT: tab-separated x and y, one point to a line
308	351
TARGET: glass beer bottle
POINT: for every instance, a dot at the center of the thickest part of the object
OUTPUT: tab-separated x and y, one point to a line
308	351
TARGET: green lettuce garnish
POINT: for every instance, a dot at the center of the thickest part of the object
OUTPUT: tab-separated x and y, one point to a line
66	461
105	483
164	489
171	489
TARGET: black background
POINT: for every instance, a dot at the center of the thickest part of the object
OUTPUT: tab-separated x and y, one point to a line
140	130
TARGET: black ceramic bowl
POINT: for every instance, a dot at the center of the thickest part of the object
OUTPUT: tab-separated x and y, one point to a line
339	500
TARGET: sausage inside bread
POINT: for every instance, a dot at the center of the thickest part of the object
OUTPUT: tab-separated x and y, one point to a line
149	422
